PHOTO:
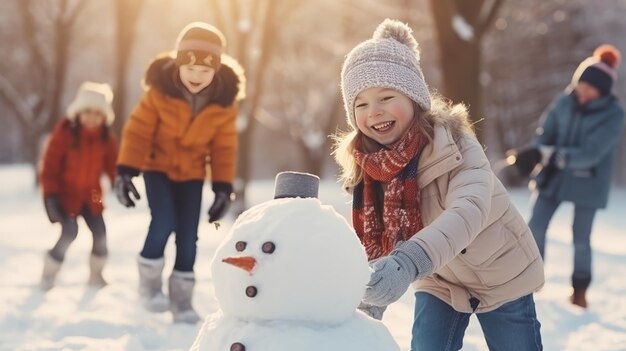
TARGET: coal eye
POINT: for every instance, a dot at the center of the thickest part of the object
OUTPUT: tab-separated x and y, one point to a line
268	247
240	245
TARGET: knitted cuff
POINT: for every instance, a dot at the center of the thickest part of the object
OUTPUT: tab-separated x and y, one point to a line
375	312
127	170
417	256
222	187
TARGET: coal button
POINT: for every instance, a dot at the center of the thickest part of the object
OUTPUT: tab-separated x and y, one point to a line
251	291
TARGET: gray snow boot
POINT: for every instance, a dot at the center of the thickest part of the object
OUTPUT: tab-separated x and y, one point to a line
96	265
181	286
51	268
150	284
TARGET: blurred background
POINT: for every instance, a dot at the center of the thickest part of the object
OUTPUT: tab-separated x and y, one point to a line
505	59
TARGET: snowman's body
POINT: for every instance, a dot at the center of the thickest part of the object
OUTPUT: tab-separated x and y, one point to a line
222	333
289	276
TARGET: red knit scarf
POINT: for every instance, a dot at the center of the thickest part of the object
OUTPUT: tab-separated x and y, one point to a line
396	166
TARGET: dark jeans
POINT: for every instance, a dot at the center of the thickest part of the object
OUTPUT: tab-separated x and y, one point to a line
174	207
511	327
543	211
69	232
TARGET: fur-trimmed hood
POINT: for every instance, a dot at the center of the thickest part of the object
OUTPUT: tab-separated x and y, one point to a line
227	86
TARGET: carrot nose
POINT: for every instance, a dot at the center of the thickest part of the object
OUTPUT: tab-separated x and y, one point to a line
246	263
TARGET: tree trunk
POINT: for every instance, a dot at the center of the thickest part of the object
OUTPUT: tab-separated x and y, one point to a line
42	116
460	26
127	14
246	136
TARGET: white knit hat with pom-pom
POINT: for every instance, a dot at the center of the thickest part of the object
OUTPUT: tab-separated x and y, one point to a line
391	59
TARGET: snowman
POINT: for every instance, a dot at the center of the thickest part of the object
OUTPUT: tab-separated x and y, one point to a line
289	276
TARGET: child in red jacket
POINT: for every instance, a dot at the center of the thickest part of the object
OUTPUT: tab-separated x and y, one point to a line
79	150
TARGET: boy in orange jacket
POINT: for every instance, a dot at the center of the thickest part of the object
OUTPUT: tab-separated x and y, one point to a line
184	121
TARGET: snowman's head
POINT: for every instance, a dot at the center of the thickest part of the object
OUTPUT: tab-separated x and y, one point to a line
290	259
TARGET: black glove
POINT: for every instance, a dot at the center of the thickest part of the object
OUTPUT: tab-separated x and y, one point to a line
526	158
123	185
221	202
53	208
548	172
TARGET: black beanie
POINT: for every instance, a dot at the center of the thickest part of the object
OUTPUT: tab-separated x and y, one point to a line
600	70
598	78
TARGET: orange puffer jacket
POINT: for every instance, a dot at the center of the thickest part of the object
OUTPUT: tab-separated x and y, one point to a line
72	165
162	135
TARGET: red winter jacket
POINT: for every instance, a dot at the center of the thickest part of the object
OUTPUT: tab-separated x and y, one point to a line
72	165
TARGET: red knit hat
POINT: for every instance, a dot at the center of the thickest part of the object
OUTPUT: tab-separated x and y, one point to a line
599	70
200	43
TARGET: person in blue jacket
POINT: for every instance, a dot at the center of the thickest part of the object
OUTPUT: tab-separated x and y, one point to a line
577	139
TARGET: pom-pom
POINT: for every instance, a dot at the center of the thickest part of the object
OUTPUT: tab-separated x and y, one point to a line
608	54
398	31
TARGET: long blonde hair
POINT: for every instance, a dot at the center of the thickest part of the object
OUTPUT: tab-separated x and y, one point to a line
451	116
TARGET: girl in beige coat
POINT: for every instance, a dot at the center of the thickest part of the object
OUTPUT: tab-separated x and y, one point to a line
428	208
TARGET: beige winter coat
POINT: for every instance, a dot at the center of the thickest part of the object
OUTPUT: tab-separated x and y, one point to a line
479	244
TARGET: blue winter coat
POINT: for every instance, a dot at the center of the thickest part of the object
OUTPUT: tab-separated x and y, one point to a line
588	136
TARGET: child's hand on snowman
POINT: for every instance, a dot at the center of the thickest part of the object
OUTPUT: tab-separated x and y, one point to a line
392	275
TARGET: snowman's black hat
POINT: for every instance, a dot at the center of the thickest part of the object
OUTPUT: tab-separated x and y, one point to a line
296	184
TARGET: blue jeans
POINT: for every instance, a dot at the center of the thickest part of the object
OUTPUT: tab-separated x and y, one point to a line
543	211
174	207
511	327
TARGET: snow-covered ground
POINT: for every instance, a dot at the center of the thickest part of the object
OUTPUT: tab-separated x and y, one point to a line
73	317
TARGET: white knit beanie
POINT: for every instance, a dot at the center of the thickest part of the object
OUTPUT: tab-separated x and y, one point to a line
389	60
93	95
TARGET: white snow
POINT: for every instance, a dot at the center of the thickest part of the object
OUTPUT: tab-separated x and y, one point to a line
356	333
463	29
72	317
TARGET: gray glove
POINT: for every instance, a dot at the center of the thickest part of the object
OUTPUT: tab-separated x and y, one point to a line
391	278
375	312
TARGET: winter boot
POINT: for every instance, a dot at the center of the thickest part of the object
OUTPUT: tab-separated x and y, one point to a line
181	286
580	283
96	265
51	267
150	284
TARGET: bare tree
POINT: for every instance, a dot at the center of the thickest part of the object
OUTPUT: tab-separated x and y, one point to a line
253	49
34	94
461	25
126	16
521	83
